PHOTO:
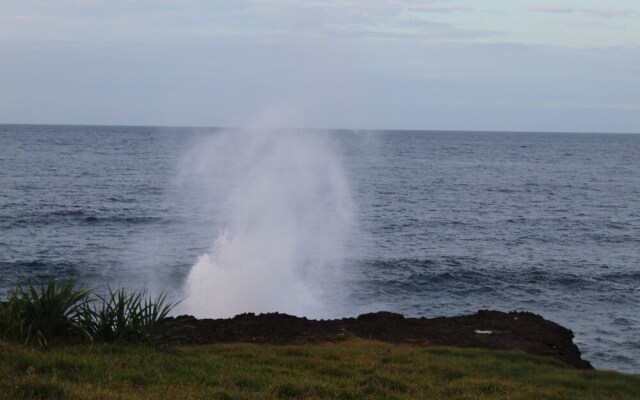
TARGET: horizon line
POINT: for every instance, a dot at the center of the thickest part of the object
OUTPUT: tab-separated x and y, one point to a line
399	130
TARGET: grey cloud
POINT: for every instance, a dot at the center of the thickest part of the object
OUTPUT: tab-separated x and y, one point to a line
199	20
599	13
611	13
554	10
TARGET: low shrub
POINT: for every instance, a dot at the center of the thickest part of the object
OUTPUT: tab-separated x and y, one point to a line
63	312
124	316
38	316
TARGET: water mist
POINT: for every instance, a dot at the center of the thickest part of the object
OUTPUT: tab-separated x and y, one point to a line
284	210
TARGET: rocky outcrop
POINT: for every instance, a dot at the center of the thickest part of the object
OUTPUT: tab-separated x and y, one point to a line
522	331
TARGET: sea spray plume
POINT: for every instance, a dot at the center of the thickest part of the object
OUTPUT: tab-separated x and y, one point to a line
286	210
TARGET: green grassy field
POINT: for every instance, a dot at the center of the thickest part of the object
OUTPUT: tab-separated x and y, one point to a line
355	369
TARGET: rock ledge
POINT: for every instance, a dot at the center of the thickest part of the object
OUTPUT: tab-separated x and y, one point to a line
486	329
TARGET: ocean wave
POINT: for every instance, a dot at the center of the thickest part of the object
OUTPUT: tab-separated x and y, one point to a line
463	274
126	220
79	217
33	272
622	276
35	266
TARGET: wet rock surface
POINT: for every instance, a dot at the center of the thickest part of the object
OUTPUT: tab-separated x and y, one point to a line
486	329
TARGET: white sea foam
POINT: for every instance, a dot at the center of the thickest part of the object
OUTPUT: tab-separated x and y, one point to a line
284	208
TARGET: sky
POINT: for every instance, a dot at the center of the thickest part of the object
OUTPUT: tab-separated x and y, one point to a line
515	65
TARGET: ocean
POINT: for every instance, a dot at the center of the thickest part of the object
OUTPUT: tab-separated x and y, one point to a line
329	224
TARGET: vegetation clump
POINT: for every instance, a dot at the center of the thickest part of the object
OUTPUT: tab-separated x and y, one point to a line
66	313
38	316
124	316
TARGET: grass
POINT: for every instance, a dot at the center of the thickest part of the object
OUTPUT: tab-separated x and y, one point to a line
354	369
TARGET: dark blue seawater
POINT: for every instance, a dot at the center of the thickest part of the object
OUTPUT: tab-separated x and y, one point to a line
450	222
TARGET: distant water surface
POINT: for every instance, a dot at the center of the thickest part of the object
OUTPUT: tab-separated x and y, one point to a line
450	222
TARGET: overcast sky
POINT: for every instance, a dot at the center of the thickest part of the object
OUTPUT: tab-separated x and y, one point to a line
527	65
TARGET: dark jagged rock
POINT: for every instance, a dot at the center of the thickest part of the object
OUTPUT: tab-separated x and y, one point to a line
521	331
380	315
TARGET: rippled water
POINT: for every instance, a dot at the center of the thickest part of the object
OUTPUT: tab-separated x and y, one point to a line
450	222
